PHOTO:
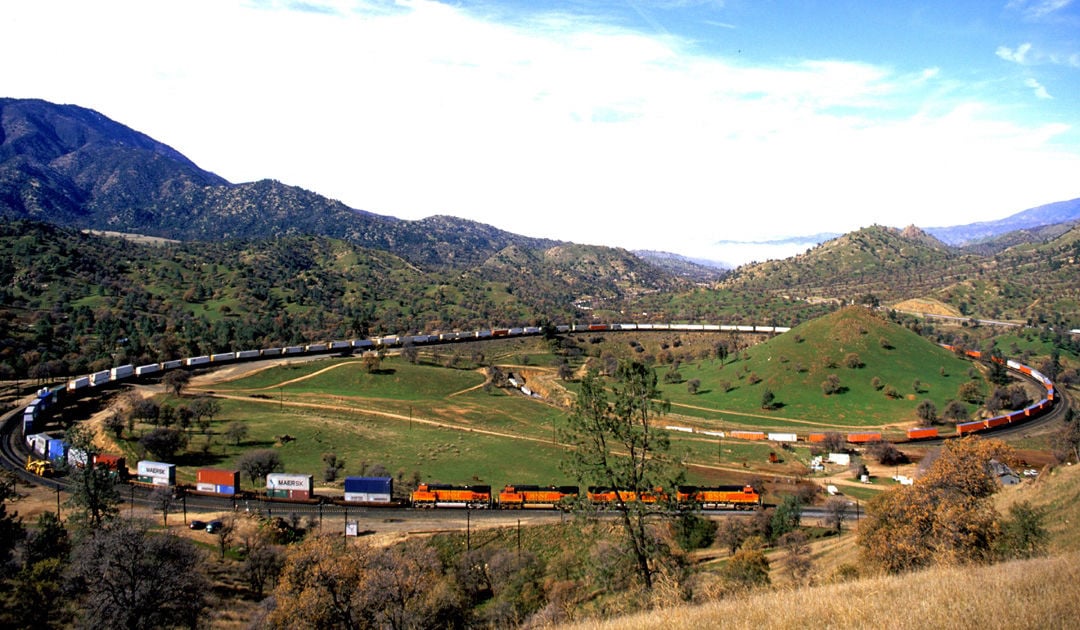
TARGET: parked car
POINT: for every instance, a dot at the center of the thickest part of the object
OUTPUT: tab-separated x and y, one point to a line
213	526
197	525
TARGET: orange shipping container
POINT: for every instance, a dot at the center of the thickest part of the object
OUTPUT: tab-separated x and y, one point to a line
815	437
218	477
747	435
922	433
859	438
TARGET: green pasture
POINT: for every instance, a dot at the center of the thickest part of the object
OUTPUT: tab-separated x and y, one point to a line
794	365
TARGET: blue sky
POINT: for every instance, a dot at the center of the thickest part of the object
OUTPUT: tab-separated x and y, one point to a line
661	124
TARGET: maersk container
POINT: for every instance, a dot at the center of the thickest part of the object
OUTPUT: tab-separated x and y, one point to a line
157	473
283	485
99	378
122	371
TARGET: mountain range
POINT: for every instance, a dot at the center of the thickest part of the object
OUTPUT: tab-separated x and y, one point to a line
73	166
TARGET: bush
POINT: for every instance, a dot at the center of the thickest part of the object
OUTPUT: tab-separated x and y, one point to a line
693	532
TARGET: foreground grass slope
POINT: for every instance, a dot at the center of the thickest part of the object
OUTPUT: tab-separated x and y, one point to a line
1038	593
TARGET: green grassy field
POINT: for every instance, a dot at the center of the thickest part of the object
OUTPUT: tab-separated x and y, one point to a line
434	423
794	365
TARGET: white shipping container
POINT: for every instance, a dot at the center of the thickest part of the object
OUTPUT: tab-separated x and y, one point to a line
99	378
172	365
288	481
223	356
247	354
122	371
197	360
38	443
151	368
366	497
205	487
842	459
783	437
157	470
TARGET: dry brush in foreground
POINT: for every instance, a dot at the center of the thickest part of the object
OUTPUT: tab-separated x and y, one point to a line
1035	594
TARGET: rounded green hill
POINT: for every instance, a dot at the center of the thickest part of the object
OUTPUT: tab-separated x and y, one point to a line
865	357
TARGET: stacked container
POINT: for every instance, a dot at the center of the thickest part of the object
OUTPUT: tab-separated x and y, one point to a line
157	473
369	489
288	486
38	443
56	450
225	482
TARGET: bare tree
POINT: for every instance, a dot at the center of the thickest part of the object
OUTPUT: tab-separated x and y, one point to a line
130	578
259	463
225	534
176	380
236	432
163	499
837	510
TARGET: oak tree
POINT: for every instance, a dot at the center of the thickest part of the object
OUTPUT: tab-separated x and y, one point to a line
617	442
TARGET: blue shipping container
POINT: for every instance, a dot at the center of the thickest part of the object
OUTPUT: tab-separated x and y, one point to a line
370	485
225	489
57	449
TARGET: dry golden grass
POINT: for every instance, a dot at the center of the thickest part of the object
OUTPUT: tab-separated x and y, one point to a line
1035	594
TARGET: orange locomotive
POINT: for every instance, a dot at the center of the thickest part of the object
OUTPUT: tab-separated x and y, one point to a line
719	497
524	497
430	495
601	495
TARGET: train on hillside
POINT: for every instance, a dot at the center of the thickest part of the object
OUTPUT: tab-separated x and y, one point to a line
85	384
47	400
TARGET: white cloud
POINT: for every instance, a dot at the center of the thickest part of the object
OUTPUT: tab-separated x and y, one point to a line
1038	9
1018	55
550	126
1040	91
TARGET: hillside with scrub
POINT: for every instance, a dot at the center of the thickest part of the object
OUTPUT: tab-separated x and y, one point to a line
846	370
1035	592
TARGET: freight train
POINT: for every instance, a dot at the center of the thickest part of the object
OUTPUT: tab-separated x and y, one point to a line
48	399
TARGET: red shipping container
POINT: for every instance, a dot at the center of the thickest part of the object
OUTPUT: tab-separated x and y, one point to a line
218	477
111	462
299	494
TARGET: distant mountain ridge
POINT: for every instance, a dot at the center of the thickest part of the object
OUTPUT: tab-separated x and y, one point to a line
73	166
1062	212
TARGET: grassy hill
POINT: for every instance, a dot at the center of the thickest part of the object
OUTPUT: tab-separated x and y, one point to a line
854	344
